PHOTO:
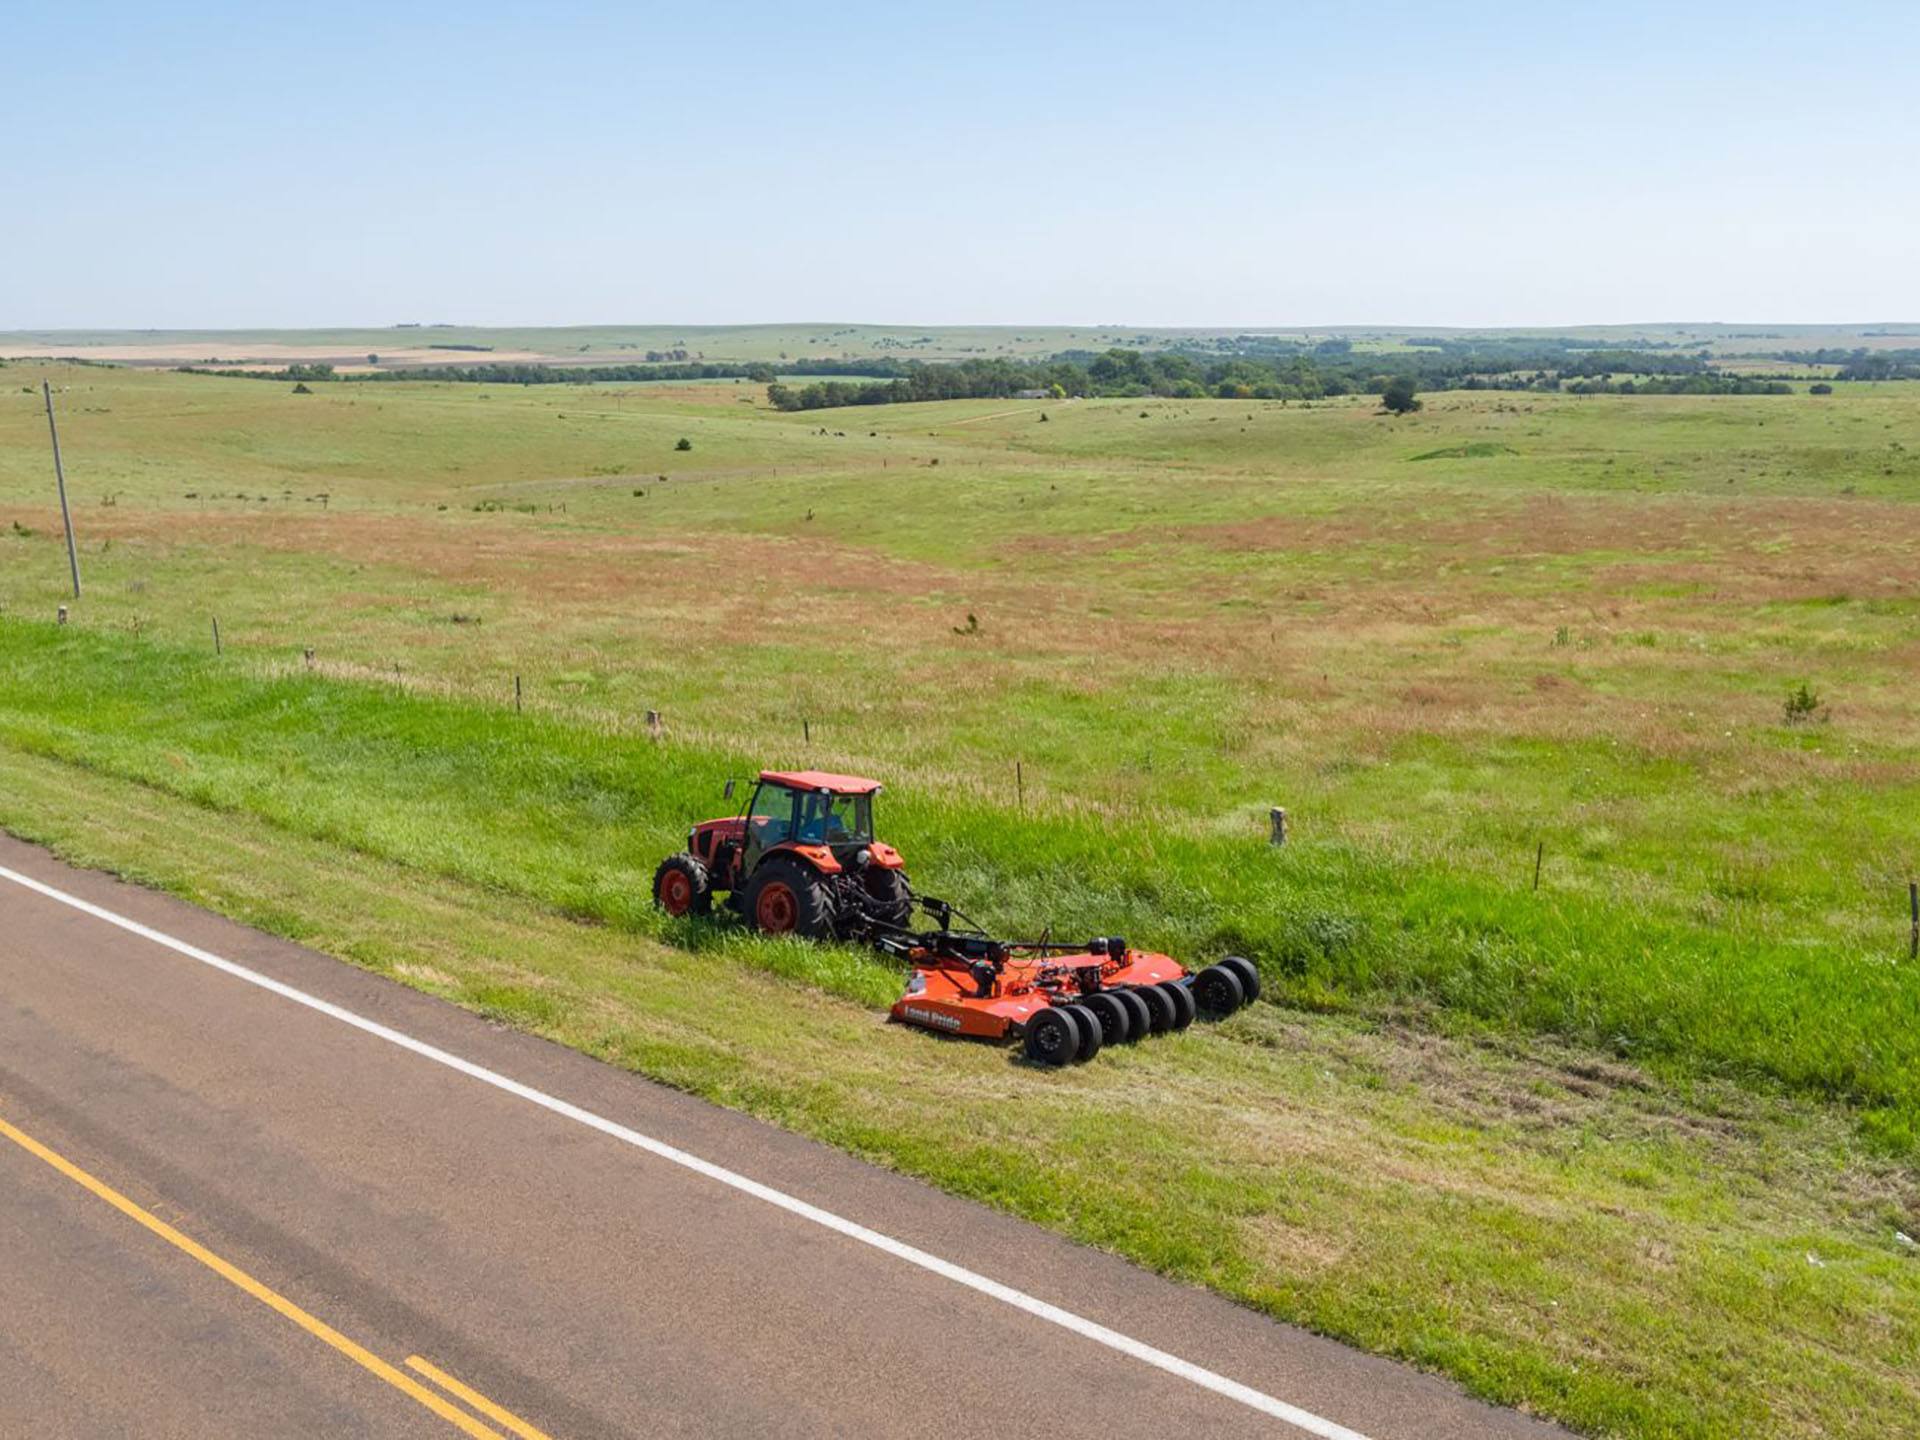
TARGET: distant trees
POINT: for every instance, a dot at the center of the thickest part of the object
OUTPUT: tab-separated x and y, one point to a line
1262	368
1820	388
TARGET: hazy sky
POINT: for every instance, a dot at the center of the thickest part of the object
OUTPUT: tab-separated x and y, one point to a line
1217	163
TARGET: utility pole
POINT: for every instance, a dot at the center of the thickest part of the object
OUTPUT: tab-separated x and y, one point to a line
60	479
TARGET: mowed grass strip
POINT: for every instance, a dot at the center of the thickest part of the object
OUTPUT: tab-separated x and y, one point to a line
574	818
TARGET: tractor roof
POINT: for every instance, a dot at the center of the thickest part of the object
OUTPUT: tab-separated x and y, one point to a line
820	780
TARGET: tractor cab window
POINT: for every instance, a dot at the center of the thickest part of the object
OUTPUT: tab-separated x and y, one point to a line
835	820
771	822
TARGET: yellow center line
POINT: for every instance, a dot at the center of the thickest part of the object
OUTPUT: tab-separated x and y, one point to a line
319	1329
499	1414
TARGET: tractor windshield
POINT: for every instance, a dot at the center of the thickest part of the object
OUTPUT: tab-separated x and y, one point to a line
835	819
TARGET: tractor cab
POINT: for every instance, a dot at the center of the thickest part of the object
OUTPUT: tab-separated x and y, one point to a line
810	809
801	856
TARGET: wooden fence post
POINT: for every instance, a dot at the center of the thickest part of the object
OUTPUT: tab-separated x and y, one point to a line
1278	819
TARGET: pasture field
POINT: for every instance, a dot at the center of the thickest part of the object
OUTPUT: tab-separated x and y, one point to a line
1630	1148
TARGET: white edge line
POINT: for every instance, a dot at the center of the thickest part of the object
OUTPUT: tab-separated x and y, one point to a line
1079	1325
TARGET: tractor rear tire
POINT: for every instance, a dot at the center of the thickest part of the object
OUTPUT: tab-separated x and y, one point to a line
786	897
1090	1037
1249	975
1183	1003
1217	991
1114	1014
1159	1005
681	886
1053	1037
1139	1017
888	895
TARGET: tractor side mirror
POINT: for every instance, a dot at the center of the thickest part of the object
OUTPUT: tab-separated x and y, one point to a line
726	792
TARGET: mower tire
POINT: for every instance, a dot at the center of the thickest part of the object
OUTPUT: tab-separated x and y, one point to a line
1218	992
1160	1007
1053	1037
1090	1036
1115	1017
1183	1003
1249	975
1139	1017
786	897
681	886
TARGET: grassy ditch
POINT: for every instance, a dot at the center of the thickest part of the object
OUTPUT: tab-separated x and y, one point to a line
574	819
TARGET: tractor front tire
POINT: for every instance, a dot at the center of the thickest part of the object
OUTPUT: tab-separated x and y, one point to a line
786	897
681	886
888	895
1053	1038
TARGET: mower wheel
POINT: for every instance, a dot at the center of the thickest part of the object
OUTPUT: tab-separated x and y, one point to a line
1053	1037
1249	975
1114	1016
1160	1007
1139	1017
681	886
1183	1003
785	897
1217	991
888	894
1090	1034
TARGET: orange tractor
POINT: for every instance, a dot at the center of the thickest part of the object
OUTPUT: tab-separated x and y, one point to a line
799	860
802	859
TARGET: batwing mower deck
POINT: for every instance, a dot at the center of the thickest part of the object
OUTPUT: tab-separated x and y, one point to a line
1062	1001
801	858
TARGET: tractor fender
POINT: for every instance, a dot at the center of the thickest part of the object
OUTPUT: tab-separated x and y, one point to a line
885	856
818	856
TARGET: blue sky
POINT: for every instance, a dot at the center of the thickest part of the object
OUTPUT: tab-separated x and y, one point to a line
1220	164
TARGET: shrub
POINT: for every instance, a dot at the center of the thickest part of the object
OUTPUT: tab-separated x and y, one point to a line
1399	398
683	443
1822	388
1803	705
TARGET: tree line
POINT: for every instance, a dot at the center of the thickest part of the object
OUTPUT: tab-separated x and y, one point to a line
1326	369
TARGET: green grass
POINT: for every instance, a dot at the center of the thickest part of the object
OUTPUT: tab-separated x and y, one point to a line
575	819
1553	1231
1574	624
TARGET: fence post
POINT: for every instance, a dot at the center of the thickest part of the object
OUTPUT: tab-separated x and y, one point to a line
516	694
216	634
1539	854
1278	818
1913	910
1020	786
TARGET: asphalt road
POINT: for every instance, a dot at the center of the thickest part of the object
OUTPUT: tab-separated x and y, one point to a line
224	1211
